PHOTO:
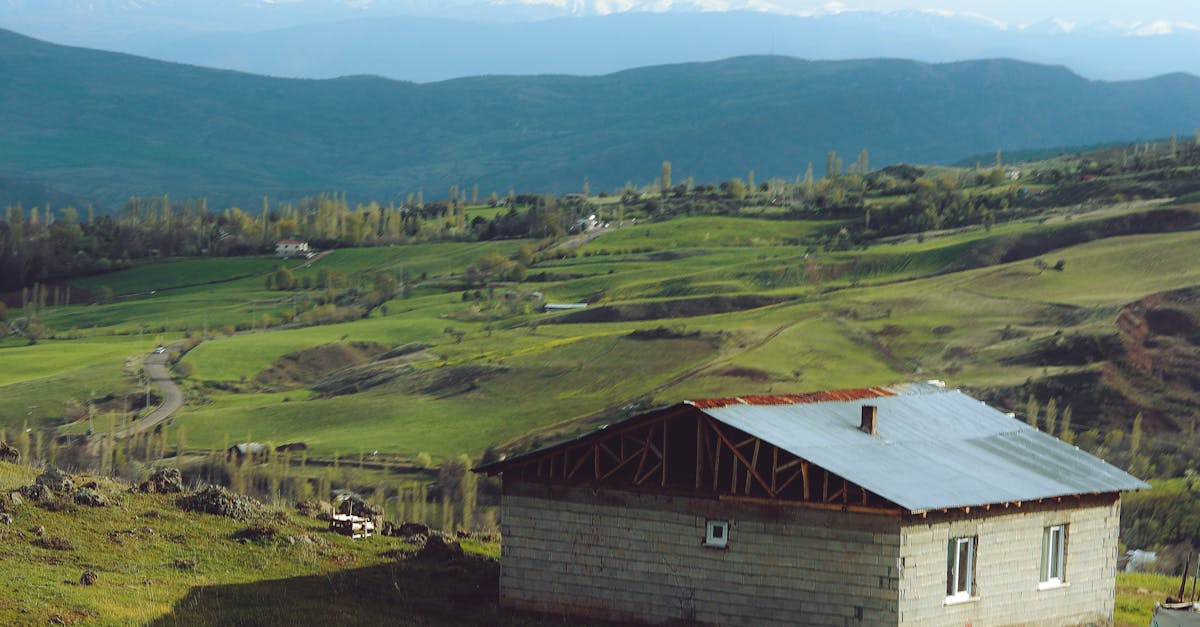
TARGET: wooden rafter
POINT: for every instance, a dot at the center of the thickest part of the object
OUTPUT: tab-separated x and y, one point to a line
659	453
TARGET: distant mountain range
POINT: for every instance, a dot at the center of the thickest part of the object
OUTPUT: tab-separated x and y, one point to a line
431	40
105	126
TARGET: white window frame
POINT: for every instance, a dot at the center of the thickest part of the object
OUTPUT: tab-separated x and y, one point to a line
1052	571
716	534
955	568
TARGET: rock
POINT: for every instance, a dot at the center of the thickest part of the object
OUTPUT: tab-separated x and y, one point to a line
217	500
38	531
90	497
89	578
5	519
313	508
163	481
255	533
185	564
15	499
409	529
440	549
56	480
55	543
9	454
37	493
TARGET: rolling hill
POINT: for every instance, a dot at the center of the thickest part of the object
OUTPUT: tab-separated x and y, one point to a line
105	126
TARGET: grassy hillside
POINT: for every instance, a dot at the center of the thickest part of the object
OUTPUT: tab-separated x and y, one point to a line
682	308
158	564
108	126
1090	308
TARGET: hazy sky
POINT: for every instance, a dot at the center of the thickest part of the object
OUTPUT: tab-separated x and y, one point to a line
1029	11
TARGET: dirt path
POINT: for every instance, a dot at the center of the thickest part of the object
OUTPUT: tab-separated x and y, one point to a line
575	241
156	369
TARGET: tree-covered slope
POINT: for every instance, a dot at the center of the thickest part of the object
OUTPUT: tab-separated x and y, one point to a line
106	126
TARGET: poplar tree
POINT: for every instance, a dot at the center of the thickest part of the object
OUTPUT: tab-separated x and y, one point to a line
1031	412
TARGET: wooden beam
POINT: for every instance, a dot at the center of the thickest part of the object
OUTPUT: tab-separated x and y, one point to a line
664	454
578	464
649	473
774	468
716	464
738	454
618	467
604	447
795	473
881	511
754	464
791	464
804	471
645	452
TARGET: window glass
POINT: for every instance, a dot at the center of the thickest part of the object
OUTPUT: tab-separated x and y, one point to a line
960	567
1054	552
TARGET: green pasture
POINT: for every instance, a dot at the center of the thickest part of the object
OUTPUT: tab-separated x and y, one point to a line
38	381
177	273
433	259
704	232
884	314
1107	272
566	379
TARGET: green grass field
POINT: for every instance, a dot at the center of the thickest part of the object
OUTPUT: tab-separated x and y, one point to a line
888	313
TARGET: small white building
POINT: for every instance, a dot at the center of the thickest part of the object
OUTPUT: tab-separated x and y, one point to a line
292	248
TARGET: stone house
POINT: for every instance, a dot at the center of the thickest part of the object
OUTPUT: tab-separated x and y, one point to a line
909	505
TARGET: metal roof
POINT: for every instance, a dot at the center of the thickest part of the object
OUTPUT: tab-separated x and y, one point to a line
934	448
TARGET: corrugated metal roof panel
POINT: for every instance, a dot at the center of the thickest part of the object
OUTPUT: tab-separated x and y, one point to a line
933	449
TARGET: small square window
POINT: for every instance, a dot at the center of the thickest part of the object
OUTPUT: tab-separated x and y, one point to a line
716	533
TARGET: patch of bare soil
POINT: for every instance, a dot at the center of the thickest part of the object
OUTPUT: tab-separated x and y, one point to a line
440	382
1151	365
303	368
741	372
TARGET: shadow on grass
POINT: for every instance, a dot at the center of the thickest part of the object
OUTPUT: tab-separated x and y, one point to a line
404	592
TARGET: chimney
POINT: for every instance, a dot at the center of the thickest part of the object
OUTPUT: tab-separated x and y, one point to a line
870	419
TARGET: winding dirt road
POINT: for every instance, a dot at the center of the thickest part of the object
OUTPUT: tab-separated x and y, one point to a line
155	367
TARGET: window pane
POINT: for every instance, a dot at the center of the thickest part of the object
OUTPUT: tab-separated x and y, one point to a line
951	554
1056	552
964	566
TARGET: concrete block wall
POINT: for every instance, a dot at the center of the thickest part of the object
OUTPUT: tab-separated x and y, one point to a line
1007	566
621	555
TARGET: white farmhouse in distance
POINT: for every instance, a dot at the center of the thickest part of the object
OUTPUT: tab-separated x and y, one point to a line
292	248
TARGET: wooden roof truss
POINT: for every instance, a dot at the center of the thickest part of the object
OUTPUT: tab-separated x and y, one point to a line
685	451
